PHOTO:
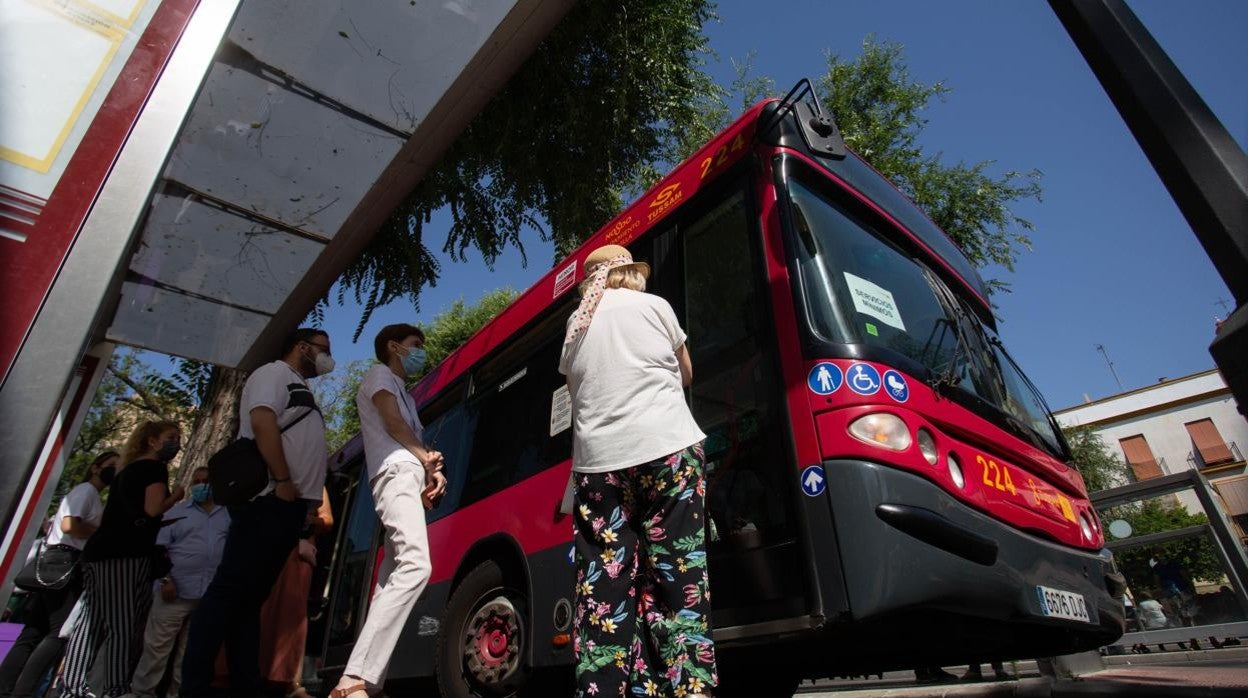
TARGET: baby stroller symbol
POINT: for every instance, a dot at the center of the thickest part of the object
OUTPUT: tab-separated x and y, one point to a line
896	385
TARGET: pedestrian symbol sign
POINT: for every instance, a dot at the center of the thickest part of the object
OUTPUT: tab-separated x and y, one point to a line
813	480
825	378
863	379
896	386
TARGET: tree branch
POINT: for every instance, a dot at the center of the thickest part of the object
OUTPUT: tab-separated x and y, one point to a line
144	396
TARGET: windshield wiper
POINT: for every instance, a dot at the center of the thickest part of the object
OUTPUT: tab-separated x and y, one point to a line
949	377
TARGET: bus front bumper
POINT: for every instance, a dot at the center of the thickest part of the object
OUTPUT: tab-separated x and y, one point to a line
919	564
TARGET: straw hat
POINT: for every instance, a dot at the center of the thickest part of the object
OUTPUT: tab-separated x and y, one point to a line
609	252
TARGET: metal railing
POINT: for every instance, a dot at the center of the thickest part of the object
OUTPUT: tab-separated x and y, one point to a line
1197	460
1226	543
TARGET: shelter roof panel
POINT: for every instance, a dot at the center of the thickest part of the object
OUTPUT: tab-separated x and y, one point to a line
273	151
221	253
184	325
391	61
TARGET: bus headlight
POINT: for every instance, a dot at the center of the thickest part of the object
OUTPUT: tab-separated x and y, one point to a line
955	471
927	446
1084	526
883	430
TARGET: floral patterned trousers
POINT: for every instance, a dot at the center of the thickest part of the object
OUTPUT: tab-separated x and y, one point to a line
643	599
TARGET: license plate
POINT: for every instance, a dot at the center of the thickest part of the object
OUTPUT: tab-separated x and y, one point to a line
1056	603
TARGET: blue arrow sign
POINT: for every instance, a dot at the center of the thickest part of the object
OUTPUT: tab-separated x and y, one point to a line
813	480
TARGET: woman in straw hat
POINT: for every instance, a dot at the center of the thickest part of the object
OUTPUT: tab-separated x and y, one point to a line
642	592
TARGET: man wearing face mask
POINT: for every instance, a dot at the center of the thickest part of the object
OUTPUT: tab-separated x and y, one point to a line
39	646
194	537
406	478
279	411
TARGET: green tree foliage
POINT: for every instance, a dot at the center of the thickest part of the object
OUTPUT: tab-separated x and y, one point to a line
1101	468
335	394
129	390
454	325
611	91
879	108
1195	555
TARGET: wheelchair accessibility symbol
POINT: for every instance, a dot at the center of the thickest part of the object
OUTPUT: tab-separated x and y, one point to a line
825	378
863	379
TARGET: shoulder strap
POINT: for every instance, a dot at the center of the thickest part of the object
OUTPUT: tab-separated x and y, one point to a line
297	420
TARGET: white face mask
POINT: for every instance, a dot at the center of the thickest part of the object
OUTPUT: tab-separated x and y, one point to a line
324	363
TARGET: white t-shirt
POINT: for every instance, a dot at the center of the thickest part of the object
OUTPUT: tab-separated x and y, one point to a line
84	502
380	449
628	406
278	387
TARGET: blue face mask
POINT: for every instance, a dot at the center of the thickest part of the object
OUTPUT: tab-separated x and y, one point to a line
201	492
414	360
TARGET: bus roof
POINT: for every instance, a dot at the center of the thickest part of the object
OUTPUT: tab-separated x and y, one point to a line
716	156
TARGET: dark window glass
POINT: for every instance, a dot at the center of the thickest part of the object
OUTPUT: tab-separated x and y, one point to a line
511	416
735	384
355	557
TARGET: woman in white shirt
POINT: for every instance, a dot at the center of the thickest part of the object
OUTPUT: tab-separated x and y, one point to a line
40	645
642	591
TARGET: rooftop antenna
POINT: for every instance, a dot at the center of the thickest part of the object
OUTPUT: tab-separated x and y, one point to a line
1226	308
1101	348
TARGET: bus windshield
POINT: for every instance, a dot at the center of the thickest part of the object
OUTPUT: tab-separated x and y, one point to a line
861	289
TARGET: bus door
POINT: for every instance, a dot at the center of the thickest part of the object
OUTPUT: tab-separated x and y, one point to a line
715	253
352	570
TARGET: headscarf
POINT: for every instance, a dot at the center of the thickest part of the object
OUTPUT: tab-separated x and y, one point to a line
592	292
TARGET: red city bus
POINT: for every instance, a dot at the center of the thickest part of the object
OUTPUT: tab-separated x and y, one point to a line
887	489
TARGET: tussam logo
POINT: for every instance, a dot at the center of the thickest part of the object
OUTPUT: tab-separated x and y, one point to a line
664	200
667	194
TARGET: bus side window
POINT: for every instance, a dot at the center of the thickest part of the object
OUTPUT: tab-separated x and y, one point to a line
512	438
447	434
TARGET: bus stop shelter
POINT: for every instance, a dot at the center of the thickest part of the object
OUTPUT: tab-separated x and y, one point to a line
189	176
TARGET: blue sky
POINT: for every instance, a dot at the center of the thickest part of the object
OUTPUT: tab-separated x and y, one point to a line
1113	263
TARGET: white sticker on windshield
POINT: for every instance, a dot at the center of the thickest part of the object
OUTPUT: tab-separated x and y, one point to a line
875	301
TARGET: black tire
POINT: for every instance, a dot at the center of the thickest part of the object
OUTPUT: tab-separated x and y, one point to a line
482	644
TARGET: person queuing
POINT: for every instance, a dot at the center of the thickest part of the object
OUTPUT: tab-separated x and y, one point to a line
117	580
194	536
284	616
406	478
637	465
264	531
39	646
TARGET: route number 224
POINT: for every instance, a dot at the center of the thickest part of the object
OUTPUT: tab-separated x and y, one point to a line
996	475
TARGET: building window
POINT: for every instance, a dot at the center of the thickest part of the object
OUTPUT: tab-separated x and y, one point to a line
1208	446
1234	495
1140	457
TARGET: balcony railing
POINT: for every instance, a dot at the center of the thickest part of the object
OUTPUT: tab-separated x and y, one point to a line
1211	457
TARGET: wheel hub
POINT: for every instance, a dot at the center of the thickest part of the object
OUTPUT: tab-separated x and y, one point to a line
491	642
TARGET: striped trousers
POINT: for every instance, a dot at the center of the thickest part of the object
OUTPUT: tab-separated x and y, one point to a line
116	595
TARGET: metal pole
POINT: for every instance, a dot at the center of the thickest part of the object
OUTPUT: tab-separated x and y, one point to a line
1224	538
1198	161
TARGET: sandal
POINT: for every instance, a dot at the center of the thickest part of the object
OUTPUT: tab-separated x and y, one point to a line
349	690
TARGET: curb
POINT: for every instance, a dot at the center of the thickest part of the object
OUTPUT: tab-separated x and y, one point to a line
1227	654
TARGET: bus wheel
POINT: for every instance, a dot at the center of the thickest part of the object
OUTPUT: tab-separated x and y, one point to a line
481	649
